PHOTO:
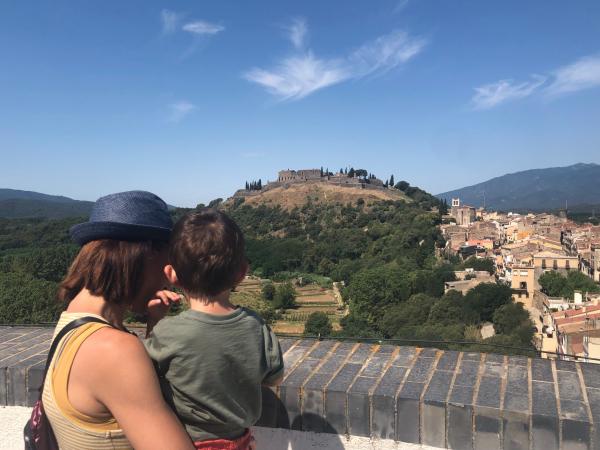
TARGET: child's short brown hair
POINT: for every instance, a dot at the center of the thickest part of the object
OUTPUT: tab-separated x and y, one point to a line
207	250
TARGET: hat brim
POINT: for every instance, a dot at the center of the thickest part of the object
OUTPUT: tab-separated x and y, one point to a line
83	233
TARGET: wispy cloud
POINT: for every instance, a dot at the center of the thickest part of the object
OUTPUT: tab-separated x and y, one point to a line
400	6
502	91
180	110
169	21
297	32
385	53
582	74
297	76
202	27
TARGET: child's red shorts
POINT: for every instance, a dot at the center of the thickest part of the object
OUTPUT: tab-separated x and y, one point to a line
241	443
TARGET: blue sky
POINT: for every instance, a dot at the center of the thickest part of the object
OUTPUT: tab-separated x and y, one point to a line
189	99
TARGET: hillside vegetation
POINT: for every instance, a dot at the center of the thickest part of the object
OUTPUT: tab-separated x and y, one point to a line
381	254
296	195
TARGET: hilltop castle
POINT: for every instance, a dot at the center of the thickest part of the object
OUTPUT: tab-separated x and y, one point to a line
350	178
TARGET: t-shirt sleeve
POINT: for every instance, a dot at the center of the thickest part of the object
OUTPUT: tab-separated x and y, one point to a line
158	350
274	357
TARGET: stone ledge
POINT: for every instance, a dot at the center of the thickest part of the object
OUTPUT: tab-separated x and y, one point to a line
459	400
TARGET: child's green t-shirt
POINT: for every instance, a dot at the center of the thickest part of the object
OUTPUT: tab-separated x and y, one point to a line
211	369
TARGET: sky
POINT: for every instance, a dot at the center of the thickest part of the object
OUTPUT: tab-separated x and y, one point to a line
191	99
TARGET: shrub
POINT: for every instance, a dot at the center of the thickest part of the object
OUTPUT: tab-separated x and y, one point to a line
318	324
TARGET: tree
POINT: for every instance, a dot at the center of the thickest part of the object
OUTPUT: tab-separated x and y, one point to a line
391	180
413	312
247	186
373	291
553	283
24	299
361	173
485	298
318	324
268	291
285	296
402	185
351	172
508	318
215	203
479	264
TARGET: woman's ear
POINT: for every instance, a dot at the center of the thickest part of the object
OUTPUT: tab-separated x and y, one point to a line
171	275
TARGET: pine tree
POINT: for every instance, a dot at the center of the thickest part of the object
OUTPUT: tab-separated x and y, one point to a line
247	186
392	180
321	171
259	187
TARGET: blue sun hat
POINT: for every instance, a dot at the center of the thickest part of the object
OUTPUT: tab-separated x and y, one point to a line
127	216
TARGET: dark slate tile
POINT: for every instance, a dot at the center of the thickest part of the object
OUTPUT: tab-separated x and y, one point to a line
573	410
438	388
361	354
433	410
460	426
336	397
376	365
467	373
462	395
384	403
285	344
516	432
471	356
344	378
489	392
487	432
544	420
405	357
576	435
386	349
313	403
359	408
16	386
321	349
493	366
517	361
568	366
568	386
3	398
408	413
591	374
428	353
541	370
301	373
516	396
543	399
420	370
447	361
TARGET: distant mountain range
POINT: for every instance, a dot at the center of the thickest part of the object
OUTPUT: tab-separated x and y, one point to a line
20	204
577	186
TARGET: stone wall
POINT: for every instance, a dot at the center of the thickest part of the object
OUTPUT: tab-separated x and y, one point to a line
459	400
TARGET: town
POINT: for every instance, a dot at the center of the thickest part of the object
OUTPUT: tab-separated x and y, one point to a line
529	253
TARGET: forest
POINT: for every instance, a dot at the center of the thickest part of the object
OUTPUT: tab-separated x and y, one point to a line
384	253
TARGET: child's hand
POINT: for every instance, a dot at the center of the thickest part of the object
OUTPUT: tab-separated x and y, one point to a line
159	306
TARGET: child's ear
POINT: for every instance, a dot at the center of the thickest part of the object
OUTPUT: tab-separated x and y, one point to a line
171	275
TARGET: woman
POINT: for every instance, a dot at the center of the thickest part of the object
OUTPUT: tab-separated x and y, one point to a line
101	391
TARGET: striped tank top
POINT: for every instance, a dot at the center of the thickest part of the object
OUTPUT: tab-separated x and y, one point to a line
73	429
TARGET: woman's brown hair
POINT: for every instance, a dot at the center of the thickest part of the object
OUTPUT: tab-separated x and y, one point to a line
110	269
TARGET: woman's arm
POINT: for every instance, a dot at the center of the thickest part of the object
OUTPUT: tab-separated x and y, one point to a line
125	382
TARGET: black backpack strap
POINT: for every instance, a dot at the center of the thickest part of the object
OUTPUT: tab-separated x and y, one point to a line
61	334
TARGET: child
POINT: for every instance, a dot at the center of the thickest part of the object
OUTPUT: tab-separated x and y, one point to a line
213	358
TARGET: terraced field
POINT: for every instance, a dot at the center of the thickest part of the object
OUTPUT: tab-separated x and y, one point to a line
310	298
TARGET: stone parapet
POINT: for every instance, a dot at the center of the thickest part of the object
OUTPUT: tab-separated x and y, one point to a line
458	400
